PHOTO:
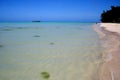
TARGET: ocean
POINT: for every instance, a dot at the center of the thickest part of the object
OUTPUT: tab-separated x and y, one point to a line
63	51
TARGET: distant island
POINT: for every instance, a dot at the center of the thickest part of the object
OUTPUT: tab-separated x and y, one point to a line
36	21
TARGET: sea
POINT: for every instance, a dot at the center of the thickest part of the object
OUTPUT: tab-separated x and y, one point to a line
49	51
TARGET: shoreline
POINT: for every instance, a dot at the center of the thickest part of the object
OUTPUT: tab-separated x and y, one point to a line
109	34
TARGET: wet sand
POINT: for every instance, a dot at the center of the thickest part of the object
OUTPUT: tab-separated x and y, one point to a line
109	34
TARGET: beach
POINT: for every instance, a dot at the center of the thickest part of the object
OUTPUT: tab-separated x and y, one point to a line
109	34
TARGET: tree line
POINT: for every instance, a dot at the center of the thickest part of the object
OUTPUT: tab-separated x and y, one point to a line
112	15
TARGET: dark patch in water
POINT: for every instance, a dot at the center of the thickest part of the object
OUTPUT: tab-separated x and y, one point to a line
52	43
19	27
36	36
45	75
7	30
79	28
1	46
57	27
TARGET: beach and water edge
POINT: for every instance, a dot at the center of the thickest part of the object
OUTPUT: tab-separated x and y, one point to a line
62	51
67	51
109	34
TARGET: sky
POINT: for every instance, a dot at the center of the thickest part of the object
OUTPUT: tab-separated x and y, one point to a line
54	10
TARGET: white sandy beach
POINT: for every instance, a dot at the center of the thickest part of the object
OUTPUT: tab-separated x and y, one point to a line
113	27
110	38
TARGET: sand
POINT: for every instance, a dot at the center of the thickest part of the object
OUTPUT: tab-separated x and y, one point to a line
111	27
109	34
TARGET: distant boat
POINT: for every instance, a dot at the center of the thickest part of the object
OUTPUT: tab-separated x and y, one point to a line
35	21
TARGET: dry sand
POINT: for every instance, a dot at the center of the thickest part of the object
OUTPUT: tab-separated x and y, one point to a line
110	39
113	27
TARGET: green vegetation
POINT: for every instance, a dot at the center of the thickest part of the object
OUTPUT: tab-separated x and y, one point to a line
45	75
112	15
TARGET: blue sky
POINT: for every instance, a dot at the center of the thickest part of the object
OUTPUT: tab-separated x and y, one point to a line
54	10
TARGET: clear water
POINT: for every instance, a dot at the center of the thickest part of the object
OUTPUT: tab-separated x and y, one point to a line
67	51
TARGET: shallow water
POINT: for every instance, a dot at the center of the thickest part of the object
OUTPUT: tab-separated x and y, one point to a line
67	51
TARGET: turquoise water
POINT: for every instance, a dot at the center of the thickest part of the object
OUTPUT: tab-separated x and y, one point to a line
67	51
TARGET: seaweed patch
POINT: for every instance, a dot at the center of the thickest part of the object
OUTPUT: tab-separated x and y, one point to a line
45	75
1	46
52	43
36	36
7	30
19	27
